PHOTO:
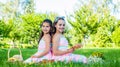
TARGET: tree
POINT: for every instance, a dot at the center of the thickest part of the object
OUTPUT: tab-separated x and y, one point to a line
31	26
27	6
116	34
9	9
93	21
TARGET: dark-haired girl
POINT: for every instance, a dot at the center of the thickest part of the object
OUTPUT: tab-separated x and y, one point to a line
44	47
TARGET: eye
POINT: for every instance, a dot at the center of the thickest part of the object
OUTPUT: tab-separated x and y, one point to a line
63	24
60	24
47	26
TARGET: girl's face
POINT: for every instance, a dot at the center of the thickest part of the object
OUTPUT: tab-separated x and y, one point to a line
46	27
60	26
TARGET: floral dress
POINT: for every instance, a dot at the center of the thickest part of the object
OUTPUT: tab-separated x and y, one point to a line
63	45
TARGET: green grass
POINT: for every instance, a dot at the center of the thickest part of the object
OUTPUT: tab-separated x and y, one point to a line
112	58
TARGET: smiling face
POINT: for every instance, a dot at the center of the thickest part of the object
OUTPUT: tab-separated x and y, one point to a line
60	26
46	28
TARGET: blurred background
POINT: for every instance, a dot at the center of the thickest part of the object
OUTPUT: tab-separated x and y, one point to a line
94	23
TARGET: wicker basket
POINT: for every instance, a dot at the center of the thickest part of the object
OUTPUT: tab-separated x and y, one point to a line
17	57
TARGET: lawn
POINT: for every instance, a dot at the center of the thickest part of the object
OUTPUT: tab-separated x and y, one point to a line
112	58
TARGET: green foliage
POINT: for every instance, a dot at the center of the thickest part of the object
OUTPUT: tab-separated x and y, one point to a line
31	26
116	36
86	22
6	28
101	38
28	6
24	29
15	29
2	27
21	28
9	9
93	25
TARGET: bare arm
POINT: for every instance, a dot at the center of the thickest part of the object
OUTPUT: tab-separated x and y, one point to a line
56	51
47	40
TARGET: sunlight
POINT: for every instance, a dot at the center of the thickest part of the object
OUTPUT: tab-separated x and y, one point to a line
58	6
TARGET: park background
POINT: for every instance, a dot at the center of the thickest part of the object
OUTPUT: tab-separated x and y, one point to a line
93	23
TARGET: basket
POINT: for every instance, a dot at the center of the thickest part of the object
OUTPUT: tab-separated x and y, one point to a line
17	57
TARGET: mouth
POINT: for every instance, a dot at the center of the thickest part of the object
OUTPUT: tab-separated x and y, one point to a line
62	28
45	31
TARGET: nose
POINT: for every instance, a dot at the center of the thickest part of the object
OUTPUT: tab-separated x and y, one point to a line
44	28
62	26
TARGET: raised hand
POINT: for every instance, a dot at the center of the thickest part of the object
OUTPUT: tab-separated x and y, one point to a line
77	46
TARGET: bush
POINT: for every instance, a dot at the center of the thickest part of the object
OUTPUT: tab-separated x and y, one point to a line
116	36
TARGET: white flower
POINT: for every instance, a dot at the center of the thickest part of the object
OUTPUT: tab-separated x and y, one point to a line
94	59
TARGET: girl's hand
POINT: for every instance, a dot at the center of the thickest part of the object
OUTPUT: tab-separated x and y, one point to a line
70	50
34	56
77	46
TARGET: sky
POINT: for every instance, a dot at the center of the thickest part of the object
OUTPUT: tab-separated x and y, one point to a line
58	6
62	6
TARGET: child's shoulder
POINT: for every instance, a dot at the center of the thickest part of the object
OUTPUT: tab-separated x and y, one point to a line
56	36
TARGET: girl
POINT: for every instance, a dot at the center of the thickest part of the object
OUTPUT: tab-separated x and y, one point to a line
44	52
61	52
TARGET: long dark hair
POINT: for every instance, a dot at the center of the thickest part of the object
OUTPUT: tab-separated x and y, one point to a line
55	22
50	32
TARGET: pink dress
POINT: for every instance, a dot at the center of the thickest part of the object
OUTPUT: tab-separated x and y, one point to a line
41	48
63	45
